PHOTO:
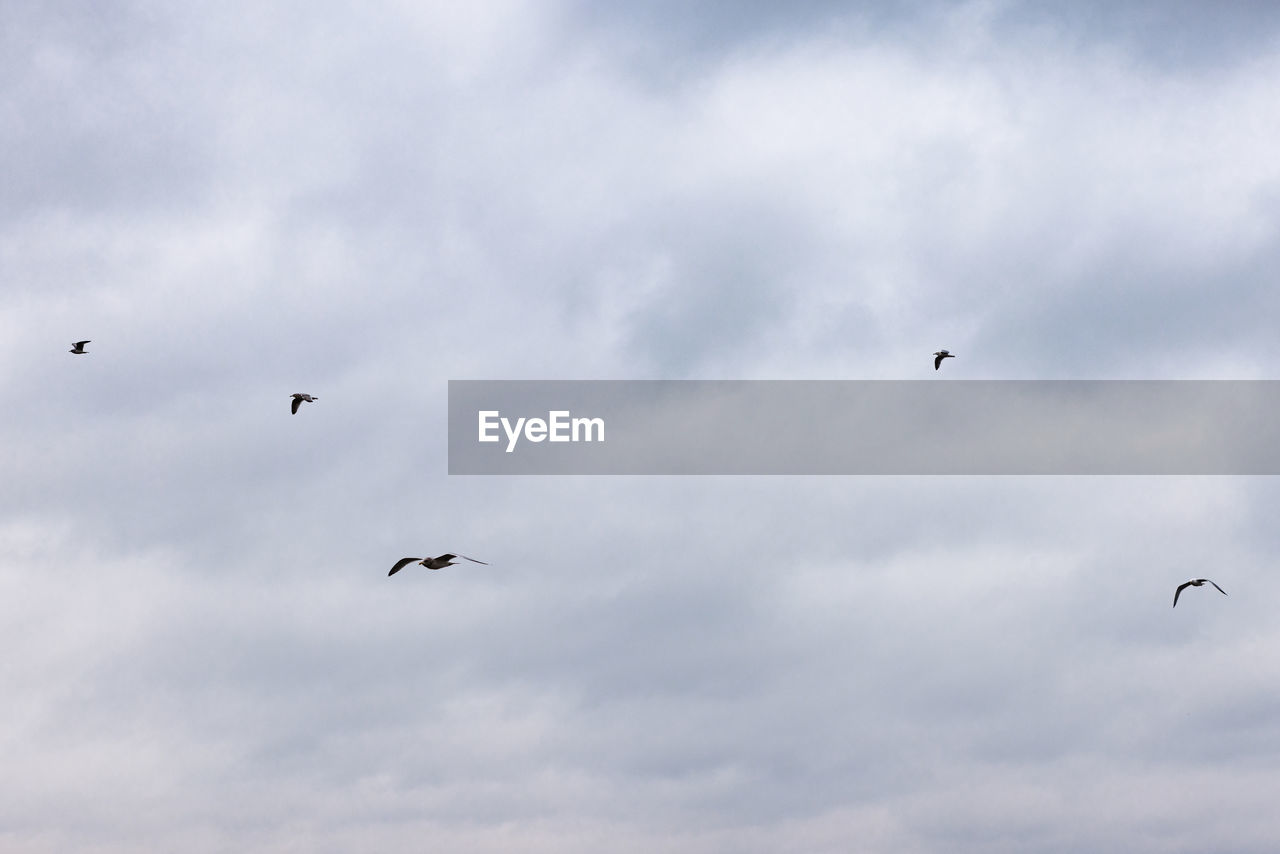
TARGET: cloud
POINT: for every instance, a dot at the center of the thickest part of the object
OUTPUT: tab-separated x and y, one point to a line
240	203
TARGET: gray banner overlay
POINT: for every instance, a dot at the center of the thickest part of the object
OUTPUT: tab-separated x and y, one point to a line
681	427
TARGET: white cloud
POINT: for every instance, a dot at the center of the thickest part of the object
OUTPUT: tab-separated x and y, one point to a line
236	204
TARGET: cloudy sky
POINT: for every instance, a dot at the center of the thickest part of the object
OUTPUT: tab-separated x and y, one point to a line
237	201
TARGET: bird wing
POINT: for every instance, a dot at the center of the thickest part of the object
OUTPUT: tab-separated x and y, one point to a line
1215	584
937	362
401	564
80	343
473	560
1178	592
297	401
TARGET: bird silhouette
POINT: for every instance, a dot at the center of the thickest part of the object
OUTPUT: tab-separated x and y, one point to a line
1195	582
430	562
939	356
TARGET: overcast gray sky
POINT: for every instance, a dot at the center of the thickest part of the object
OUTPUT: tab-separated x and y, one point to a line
238	201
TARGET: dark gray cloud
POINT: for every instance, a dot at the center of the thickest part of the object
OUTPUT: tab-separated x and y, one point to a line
1178	35
1171	35
103	113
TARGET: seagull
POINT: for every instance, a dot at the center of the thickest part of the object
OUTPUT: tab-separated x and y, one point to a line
78	347
1195	582
430	562
298	398
941	354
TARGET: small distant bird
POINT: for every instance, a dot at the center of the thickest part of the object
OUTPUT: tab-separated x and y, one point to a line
430	562
939	356
78	347
1195	582
298	398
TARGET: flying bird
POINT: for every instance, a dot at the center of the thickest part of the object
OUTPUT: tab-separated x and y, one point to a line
78	347
298	398
939	356
1195	582
430	562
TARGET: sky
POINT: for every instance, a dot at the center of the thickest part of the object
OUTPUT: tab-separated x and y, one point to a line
239	201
